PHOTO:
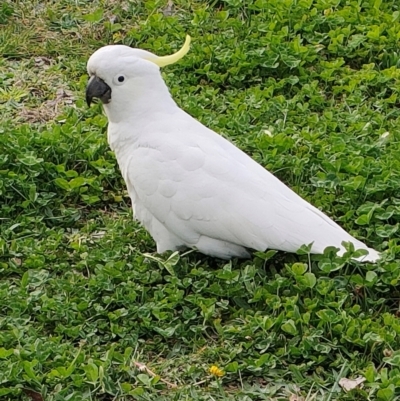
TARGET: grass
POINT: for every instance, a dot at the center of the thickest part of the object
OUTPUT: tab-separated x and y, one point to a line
89	311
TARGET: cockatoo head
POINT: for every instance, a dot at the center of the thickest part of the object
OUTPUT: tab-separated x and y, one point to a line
116	70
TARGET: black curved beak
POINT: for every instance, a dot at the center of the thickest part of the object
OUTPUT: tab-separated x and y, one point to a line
96	87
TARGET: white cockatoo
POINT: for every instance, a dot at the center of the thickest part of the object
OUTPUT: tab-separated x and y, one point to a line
189	186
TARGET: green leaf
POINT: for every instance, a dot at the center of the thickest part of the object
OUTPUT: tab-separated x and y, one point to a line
393	360
290	60
138	391
126	387
356	40
25	279
32	193
145	379
5	391
369	374
30	159
265	255
329	265
232	367
166	264
289	327
299	268
308	280
92	372
94	17
305	249
263	360
5	353
64	184
363	220
28	368
371	276
387	230
386	394
76	182
328	316
306	317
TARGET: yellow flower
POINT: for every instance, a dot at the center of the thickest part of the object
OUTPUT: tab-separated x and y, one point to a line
117	37
216	371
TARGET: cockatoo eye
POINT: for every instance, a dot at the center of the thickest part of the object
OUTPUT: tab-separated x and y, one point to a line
119	79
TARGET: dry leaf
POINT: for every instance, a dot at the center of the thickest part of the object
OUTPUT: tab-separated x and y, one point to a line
169	9
387	352
48	110
350	384
98	234
17	261
143	368
295	397
33	395
43	62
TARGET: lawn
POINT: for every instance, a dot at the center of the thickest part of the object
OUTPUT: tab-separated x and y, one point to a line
88	311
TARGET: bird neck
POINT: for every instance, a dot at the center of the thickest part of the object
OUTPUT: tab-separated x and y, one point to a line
131	119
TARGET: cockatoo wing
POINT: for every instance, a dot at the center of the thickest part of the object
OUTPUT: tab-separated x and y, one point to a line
192	187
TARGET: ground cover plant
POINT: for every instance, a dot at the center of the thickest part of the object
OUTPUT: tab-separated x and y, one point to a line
89	311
